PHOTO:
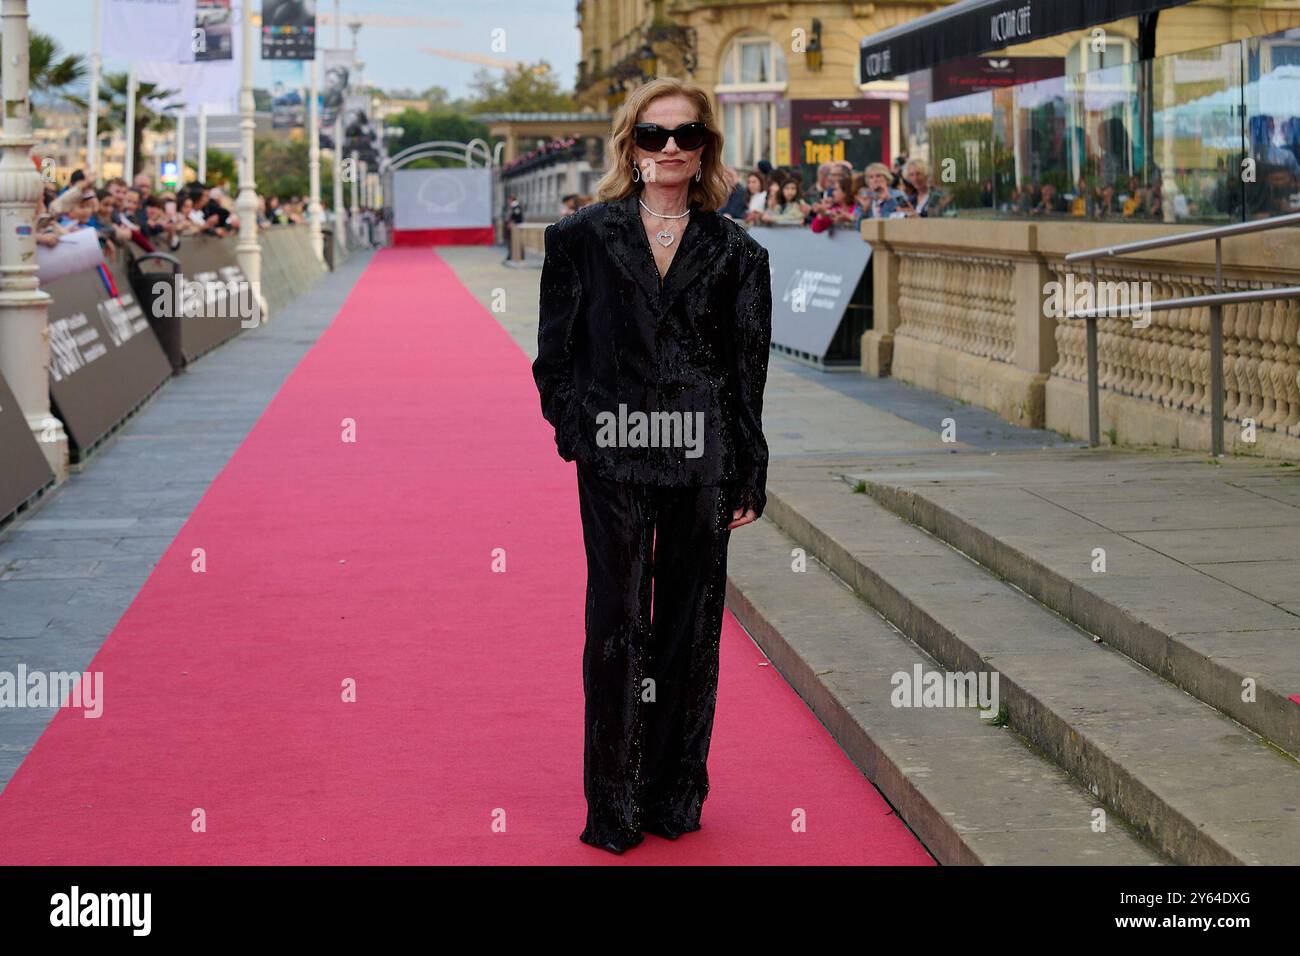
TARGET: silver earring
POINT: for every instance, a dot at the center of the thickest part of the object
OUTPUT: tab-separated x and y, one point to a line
636	173
699	172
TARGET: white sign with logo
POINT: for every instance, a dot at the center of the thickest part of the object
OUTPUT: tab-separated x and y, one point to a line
813	279
442	198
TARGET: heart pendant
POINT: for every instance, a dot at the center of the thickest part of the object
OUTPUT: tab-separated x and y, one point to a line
665	238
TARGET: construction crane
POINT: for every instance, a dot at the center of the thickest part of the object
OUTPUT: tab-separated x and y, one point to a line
494	62
383	20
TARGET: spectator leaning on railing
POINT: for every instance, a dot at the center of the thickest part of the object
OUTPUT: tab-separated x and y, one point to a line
737	203
839	211
756	190
883	202
158	226
928	201
1050	202
790	210
47	230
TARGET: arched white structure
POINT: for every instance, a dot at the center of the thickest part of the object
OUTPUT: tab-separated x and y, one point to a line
475	154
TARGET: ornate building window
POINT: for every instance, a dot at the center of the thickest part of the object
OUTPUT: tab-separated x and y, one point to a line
753	78
1089	55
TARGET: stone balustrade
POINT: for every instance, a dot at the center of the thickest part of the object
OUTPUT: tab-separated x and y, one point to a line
964	307
963	303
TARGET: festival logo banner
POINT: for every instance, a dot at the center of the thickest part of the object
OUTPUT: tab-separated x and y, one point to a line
213	30
288	99
207	81
337	69
288	30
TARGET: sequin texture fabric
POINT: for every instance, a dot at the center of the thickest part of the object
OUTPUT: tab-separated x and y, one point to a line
612	334
614	338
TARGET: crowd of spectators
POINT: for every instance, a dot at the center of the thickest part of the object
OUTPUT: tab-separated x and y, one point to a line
1207	194
1085	201
838	197
135	214
841	196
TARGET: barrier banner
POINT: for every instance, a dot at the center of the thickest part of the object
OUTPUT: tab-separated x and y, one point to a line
104	357
205	304
814	276
23	468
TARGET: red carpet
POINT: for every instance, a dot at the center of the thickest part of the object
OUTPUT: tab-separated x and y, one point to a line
329	561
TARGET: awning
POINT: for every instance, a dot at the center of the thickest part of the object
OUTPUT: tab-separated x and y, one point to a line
972	27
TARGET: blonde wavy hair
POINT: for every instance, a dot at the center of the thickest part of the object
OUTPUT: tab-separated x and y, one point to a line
714	185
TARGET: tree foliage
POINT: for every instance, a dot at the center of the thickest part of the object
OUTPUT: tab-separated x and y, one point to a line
527	89
154	109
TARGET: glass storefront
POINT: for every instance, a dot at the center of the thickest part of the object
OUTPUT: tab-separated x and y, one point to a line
1206	136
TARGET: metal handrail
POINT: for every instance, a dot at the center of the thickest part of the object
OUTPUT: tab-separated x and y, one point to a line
1215	302
1184	238
1188	302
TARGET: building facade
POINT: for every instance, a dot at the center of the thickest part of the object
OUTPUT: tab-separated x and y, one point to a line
783	75
786	79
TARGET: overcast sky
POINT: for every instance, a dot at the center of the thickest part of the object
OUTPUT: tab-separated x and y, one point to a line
534	30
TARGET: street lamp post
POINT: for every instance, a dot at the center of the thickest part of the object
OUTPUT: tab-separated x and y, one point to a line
92	114
132	87
313	166
356	171
24	308
201	160
340	214
247	250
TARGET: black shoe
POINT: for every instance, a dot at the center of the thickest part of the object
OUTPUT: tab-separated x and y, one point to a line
612	845
660	830
668	831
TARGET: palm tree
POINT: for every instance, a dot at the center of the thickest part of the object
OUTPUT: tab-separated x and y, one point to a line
152	108
51	71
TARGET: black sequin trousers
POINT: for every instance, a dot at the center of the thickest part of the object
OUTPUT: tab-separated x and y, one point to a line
656	579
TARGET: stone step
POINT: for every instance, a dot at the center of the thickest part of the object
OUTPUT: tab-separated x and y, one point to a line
973	793
1199	786
1204	634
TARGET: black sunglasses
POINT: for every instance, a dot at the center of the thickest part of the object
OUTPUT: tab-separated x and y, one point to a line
653	137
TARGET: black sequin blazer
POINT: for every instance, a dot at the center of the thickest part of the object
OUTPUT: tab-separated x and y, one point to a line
612	334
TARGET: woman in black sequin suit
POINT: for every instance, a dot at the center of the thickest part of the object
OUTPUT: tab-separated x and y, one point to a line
652	357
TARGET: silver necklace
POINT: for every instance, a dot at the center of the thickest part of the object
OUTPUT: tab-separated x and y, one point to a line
663	235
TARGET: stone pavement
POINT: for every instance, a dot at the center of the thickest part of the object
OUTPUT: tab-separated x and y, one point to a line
72	565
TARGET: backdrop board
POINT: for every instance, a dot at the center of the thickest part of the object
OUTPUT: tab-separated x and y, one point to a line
23	468
442	206
814	276
104	358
